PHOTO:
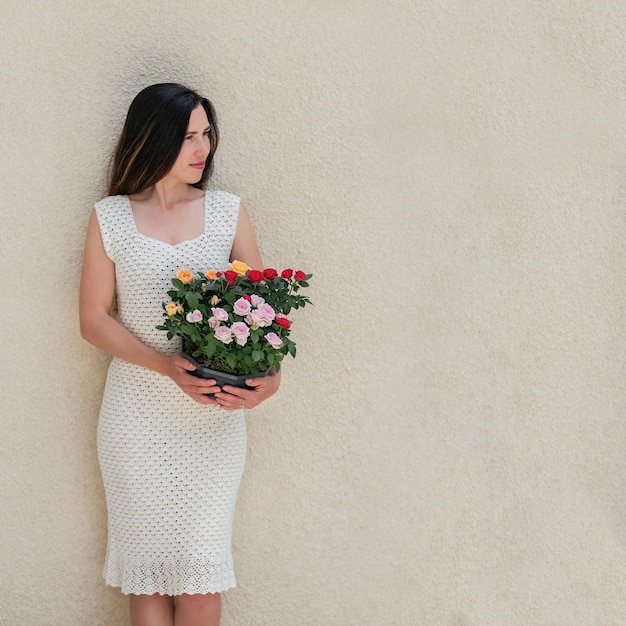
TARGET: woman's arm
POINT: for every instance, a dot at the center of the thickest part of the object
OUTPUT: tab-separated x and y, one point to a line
245	249
97	288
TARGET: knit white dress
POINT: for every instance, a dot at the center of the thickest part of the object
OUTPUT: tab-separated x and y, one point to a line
171	467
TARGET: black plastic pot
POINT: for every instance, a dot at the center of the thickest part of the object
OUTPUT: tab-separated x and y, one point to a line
221	378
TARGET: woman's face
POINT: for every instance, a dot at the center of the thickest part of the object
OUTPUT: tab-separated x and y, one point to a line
193	153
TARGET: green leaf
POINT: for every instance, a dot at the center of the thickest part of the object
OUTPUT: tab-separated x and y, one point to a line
231	360
192	299
257	355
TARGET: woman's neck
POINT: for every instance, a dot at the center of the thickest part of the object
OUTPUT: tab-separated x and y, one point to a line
167	194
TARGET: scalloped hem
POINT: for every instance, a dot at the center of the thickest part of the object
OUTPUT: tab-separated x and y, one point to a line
171	577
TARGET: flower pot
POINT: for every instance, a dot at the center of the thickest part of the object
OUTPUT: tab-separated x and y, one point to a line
221	378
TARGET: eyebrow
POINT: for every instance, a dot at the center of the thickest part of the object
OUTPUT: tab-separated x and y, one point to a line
195	132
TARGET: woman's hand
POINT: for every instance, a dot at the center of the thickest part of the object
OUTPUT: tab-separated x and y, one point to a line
232	398
178	368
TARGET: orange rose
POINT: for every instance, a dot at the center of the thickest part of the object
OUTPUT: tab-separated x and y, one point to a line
184	276
240	267
211	274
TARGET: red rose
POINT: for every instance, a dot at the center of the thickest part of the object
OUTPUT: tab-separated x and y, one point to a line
287	274
229	275
219	274
281	320
247	297
256	276
270	273
300	275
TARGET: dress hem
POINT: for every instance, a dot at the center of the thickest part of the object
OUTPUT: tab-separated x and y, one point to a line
169	578
202	591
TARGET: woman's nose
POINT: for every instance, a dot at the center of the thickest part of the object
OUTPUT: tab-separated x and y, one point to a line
204	146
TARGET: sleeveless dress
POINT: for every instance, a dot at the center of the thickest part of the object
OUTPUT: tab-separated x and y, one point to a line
171	467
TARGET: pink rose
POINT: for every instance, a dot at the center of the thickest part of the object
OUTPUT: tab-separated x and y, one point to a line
220	314
254	320
223	334
274	340
267	313
256	300
194	316
242	307
213	322
241	332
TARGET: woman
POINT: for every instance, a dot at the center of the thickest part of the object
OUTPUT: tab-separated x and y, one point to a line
171	457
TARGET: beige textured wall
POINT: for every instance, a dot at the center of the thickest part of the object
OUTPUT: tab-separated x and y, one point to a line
449	448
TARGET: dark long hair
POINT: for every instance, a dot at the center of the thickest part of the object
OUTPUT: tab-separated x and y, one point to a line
153	134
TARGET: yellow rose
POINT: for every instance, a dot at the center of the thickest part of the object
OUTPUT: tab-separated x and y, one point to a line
211	274
240	267
179	308
214	300
171	308
184	276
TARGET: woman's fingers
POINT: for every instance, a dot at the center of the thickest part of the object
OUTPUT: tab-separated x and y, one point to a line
237	397
232	398
194	387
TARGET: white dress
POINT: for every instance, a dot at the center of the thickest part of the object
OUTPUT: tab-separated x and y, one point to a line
171	467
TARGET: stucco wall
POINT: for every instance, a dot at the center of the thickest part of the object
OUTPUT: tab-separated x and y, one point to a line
449	448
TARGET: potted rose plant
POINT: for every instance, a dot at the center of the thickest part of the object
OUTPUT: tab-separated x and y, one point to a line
234	324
